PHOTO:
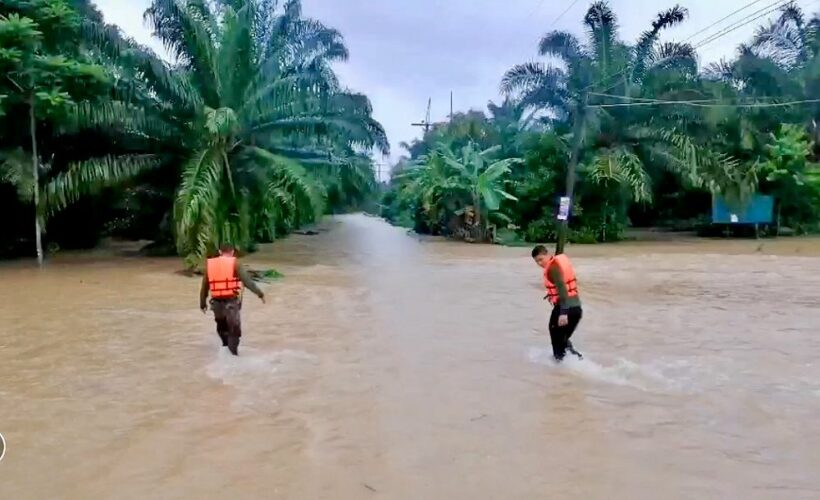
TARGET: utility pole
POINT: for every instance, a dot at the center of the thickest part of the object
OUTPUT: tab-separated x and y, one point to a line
451	105
426	123
577	143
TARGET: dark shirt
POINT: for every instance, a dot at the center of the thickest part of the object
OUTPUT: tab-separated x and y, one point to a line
240	273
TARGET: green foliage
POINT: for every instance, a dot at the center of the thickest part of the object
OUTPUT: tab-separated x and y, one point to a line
249	134
457	192
247	137
48	72
640	160
792	179
259	106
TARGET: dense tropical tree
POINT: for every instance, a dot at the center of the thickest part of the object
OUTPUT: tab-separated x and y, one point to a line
600	108
787	173
50	73
258	102
616	146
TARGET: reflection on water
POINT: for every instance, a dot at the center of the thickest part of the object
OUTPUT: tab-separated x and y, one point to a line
392	366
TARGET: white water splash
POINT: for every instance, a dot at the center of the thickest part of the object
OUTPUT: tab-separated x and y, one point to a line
624	372
258	376
256	366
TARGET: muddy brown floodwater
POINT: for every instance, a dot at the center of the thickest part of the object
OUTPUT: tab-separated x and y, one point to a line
387	366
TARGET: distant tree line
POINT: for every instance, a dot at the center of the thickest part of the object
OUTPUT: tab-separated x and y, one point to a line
654	136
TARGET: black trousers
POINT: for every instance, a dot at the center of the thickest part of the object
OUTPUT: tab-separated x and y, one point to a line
560	334
228	322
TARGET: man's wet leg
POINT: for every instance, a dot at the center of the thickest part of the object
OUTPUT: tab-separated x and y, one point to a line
222	331
233	344
234	327
558	336
574	317
572	350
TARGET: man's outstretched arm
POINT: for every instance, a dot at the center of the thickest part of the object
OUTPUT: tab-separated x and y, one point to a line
246	280
203	292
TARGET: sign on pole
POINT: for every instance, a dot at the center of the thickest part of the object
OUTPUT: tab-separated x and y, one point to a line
563	208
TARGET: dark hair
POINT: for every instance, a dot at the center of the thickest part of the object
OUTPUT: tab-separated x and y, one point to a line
226	248
539	250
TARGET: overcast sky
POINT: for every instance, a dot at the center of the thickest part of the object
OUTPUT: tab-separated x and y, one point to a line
406	51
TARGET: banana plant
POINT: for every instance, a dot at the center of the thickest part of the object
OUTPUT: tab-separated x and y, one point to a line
469	181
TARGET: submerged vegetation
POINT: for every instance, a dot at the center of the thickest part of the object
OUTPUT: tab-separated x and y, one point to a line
654	136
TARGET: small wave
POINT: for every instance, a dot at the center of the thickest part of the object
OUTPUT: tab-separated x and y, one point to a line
624	372
258	376
254	364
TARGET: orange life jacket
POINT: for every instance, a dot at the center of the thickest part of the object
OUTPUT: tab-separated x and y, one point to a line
222	280
567	271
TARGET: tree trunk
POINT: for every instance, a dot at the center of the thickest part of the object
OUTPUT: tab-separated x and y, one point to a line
478	221
35	166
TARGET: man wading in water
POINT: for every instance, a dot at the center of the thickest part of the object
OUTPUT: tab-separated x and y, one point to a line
562	292
223	279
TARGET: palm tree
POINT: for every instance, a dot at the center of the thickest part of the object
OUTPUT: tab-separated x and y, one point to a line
621	148
603	62
789	40
793	44
513	124
256	102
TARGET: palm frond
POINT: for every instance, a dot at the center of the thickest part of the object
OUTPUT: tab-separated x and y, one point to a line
16	169
235	60
531	76
198	202
561	44
307	197
672	56
108	116
185	32
90	176
623	169
648	39
785	40
602	29
722	70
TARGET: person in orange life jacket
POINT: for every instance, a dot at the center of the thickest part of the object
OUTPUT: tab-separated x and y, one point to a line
562	292
223	280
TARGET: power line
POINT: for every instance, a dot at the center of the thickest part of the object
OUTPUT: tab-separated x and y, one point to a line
562	14
721	20
732	27
773	7
702	105
647	99
644	99
778	4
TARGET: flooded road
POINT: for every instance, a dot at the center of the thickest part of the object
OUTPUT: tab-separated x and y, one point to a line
385	366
